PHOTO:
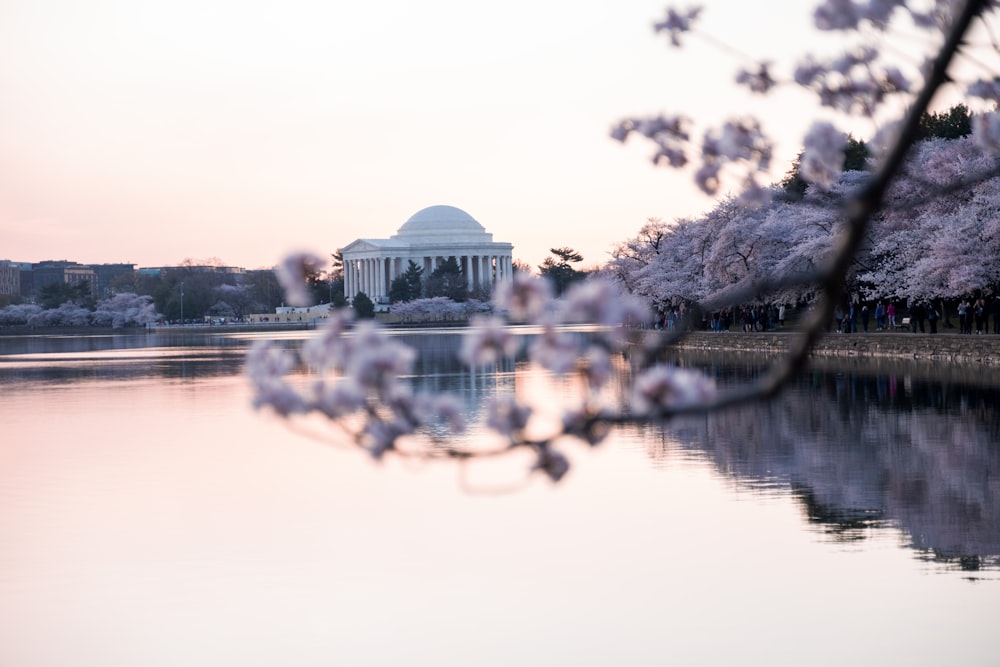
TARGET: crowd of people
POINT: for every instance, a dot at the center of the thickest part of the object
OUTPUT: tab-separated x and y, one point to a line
918	316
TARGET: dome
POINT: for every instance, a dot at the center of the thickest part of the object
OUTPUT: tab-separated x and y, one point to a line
436	223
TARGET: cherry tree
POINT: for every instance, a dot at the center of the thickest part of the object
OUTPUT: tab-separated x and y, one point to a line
356	370
631	255
67	314
438	308
936	246
16	314
125	310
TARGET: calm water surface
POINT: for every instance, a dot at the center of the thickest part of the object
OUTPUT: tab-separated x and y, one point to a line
149	517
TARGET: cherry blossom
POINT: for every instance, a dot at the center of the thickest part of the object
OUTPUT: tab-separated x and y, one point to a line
663	388
823	157
292	273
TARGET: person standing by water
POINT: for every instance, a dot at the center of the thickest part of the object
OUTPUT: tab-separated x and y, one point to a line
864	317
891	312
879	316
932	317
918	313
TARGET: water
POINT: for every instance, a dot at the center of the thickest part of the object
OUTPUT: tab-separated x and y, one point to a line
149	517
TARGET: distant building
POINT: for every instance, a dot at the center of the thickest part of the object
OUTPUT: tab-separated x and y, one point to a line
107	273
10	278
430	237
191	268
291	315
59	271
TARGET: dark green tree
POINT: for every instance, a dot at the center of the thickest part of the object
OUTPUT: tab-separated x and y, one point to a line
320	289
408	285
954	123
560	269
265	289
56	294
363	306
447	280
336	279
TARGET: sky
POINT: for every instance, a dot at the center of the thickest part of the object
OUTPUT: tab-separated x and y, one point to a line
156	132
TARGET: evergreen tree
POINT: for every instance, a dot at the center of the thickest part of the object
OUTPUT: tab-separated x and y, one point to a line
363	306
408	285
560	271
448	280
951	124
55	294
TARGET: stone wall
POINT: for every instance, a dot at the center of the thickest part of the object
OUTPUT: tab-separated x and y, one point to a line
969	351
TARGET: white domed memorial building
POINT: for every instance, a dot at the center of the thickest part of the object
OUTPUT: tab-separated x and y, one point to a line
428	238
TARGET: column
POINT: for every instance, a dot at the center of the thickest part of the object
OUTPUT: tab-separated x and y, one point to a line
380	278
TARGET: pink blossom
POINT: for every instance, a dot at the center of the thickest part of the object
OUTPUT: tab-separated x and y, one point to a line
677	22
524	298
551	462
597	366
986	131
986	89
591	427
823	156
379	438
266	361
506	416
339	398
266	366
675	157
760	81
292	272
707	178
487	339
329	349
376	361
665	388
448	409
554	349
837	15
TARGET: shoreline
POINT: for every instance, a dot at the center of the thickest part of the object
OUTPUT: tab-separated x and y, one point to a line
959	358
950	348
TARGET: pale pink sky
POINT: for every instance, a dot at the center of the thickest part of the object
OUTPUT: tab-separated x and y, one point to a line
151	132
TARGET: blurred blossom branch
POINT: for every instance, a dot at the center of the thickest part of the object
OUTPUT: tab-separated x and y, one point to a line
356	370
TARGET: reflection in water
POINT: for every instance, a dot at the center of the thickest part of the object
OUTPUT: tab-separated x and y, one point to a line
148	517
866	451
861	452
46	359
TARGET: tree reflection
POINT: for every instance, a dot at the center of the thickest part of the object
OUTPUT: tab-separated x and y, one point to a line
862	451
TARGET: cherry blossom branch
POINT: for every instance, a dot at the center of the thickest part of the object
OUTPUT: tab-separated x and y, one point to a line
355	371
